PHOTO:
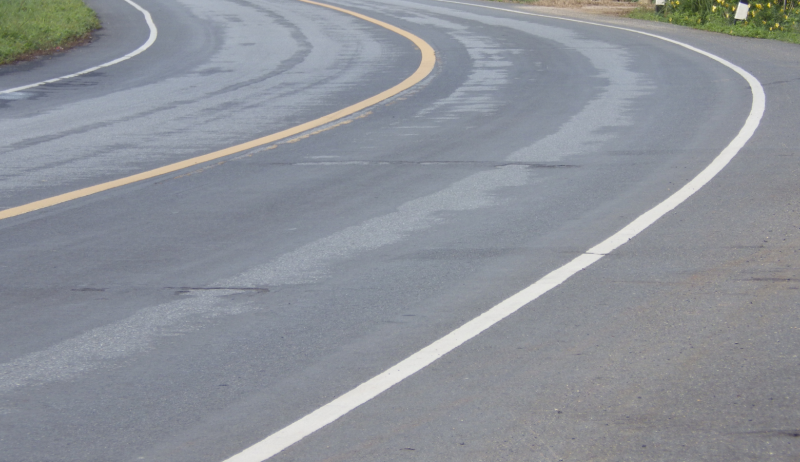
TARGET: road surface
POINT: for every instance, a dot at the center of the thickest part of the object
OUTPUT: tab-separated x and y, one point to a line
189	316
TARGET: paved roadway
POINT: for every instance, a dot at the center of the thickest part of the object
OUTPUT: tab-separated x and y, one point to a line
187	317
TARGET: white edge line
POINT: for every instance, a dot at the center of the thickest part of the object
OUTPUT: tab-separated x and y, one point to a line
145	46
340	406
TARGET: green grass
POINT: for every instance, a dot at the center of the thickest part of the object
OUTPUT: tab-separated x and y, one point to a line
30	27
716	16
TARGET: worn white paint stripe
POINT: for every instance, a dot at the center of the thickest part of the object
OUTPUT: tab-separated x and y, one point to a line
330	412
150	41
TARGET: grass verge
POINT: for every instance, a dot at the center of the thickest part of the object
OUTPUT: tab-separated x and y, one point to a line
32	27
765	20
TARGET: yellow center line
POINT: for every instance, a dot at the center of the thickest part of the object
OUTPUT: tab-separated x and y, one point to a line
425	67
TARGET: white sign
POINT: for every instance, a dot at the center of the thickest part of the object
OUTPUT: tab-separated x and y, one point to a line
741	11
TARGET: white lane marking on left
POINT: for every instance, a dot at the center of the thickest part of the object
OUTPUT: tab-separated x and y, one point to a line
145	46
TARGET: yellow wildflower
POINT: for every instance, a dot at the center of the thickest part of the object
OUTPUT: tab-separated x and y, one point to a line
777	25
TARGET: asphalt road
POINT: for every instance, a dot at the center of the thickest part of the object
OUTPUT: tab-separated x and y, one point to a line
187	317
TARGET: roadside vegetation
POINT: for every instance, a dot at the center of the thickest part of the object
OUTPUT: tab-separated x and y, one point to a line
766	19
33	27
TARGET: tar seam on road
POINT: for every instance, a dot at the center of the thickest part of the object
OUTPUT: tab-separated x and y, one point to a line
427	62
340	406
150	41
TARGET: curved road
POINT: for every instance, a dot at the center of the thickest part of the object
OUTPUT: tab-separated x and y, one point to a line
189	316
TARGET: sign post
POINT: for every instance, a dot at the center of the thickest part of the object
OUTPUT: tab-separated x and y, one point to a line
741	11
